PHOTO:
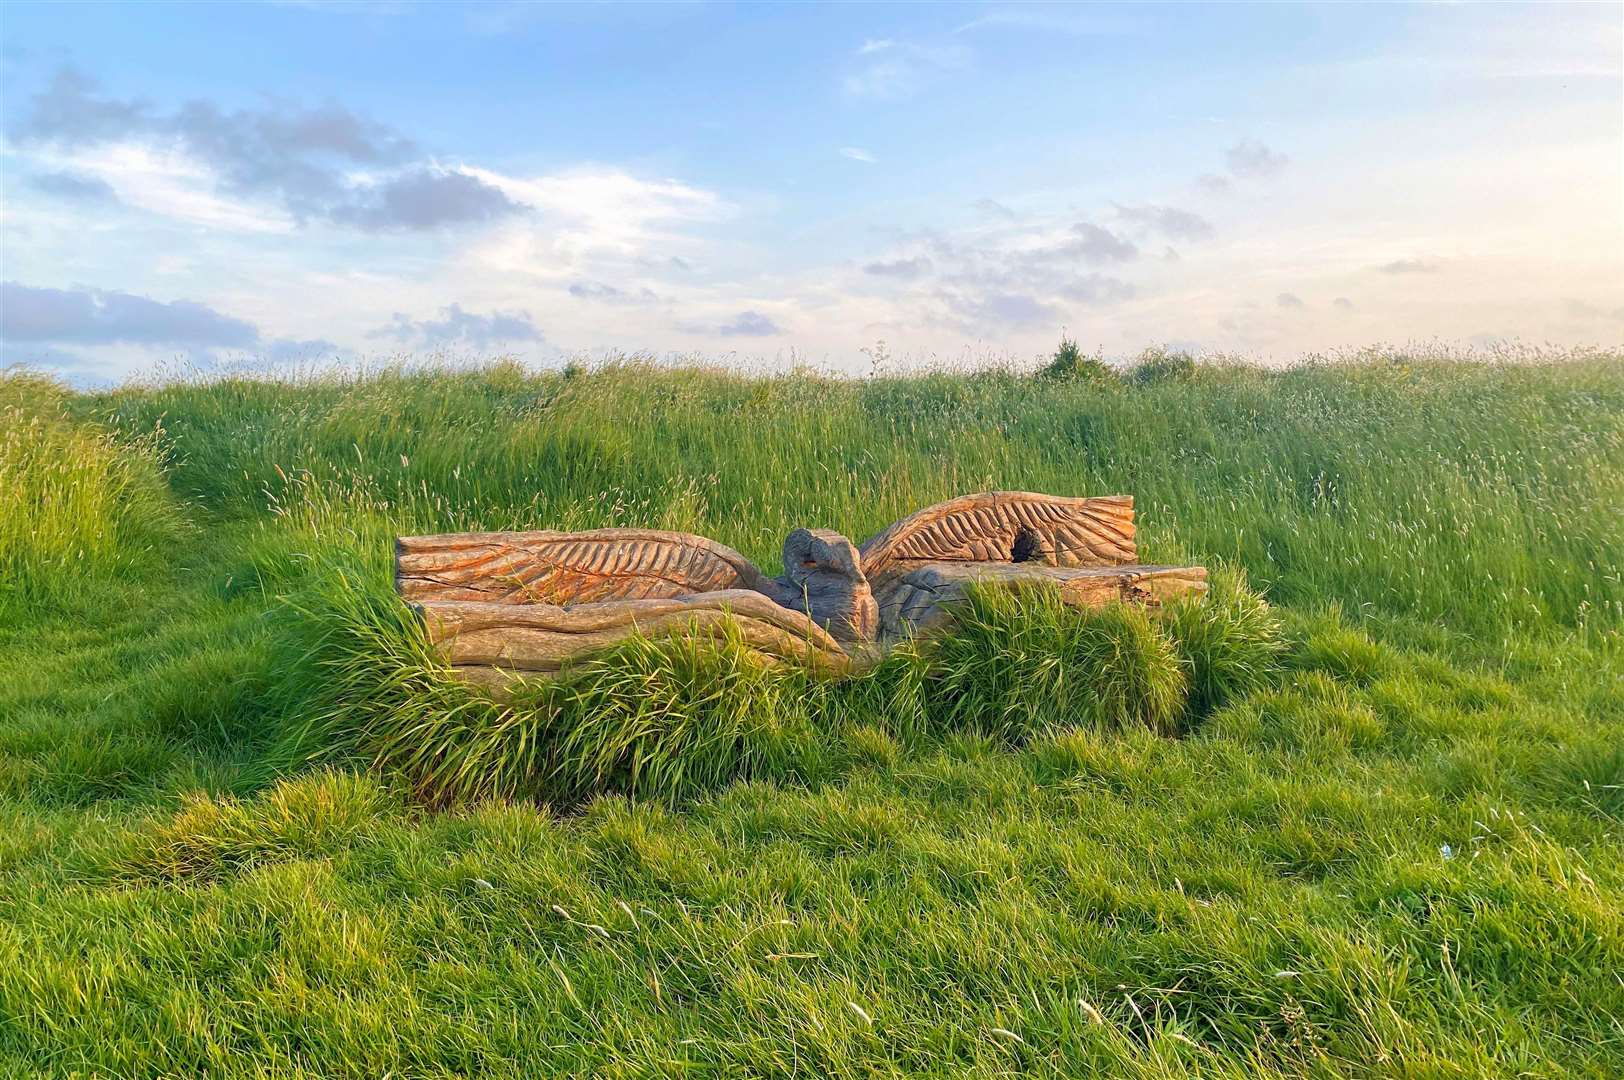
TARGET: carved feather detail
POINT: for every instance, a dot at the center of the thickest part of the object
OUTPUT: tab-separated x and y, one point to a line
567	568
1007	526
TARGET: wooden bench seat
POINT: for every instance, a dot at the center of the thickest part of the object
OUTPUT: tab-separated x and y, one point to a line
534	602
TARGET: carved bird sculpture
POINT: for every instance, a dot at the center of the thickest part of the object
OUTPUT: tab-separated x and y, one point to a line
598	583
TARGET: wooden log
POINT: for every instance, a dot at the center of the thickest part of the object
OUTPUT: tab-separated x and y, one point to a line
545	638
567	567
922	600
1020	527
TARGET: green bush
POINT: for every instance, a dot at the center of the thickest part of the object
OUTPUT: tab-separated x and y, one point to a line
1071	363
675	716
665	717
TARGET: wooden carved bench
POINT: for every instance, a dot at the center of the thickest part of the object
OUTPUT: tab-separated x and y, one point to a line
532	602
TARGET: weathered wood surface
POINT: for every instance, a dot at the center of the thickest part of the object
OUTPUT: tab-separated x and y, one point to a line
545	638
823	576
567	567
1006	527
922	601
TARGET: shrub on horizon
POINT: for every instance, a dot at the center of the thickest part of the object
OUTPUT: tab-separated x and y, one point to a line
1070	363
1160	364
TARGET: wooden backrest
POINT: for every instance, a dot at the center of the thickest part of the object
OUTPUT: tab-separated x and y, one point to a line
566	567
1007	527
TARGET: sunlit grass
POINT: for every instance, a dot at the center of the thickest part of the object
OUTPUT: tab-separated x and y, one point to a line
1370	827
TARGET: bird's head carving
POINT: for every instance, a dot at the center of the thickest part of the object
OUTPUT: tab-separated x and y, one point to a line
823	576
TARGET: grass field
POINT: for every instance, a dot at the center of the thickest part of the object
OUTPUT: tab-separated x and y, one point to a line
1384	841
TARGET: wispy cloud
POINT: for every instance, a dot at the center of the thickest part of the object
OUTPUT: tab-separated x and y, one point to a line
35	321
591	212
83	316
857	153
1095	243
1251	158
902	269
1167	220
1408	266
1076	21
749	324
454	326
612	294
891	70
425	198
308	162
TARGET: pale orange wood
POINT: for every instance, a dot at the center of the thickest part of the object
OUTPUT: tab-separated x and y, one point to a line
566	567
547	637
1005	527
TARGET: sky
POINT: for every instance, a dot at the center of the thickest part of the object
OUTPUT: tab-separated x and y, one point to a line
850	187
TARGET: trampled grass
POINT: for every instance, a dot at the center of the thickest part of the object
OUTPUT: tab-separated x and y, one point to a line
1369	828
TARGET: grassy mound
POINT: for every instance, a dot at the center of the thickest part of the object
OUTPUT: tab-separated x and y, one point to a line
676	716
650	717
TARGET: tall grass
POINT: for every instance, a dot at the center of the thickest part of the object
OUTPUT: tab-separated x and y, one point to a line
78	506
1385	842
1481	497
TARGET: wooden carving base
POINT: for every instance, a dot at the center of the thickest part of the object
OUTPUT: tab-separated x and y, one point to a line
544	638
922	601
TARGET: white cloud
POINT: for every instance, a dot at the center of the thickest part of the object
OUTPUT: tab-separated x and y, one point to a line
857	153
598	211
167	182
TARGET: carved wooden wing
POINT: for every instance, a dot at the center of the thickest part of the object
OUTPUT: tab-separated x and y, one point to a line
566	567
1007	526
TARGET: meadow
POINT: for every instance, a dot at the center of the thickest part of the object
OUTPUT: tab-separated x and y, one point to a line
1366	825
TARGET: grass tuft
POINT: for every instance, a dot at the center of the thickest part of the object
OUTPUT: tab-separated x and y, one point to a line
302	817
1020	662
1231	639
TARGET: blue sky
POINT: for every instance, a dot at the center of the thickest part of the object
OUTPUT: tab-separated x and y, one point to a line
285	183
